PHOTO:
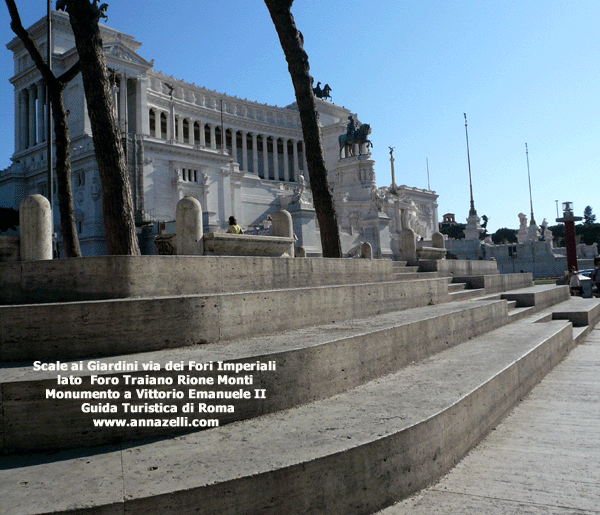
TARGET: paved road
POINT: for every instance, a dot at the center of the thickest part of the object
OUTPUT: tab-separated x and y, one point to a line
543	459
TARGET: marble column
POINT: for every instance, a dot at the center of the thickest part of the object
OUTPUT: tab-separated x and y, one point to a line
158	123
171	124
265	157
234	145
41	95
142	120
254	153
32	96
202	134
123	103
17	125
191	139
245	151
295	156
213	136
286	161
180	129
24	122
275	158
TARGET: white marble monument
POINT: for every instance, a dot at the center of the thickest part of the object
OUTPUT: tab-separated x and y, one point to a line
236	157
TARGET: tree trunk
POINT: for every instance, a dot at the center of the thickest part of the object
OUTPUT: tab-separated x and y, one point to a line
63	173
292	43
61	133
119	222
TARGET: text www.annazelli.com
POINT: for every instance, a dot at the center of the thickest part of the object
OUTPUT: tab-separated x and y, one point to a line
156	422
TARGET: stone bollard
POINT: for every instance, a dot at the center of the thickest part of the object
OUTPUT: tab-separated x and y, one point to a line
408	242
437	240
300	252
189	227
35	221
366	250
284	227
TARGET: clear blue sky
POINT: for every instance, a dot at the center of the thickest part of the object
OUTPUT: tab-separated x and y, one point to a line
523	71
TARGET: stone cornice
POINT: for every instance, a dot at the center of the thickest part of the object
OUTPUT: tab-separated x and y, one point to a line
207	115
60	21
326	107
336	128
118	52
194	96
425	194
180	152
181	83
26	78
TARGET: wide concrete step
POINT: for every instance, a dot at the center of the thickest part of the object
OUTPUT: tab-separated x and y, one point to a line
355	452
454	287
493	283
117	277
403	269
407	276
541	296
515	314
463	294
76	330
580	312
308	364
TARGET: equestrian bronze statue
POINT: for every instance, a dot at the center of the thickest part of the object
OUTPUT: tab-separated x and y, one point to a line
355	135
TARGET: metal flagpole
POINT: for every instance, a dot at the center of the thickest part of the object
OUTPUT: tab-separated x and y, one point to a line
532	222
428	185
472	210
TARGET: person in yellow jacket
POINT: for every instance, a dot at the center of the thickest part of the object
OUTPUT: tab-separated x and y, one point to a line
234	228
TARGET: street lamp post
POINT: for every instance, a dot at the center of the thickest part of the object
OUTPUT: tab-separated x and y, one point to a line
570	242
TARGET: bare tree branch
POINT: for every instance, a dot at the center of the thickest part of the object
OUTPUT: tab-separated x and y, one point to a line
70	74
62	139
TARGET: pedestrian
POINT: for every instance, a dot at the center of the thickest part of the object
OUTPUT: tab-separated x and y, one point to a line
234	228
595	277
574	282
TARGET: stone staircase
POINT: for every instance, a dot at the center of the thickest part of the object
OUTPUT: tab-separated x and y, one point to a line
371	384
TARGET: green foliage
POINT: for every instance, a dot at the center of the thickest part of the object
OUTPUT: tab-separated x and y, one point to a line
588	217
590	233
558	234
558	231
587	233
505	235
455	231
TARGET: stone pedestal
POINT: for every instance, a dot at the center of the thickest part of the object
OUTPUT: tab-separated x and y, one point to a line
437	240
189	227
283	226
473	228
366	251
304	221
532	232
35	220
408	244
